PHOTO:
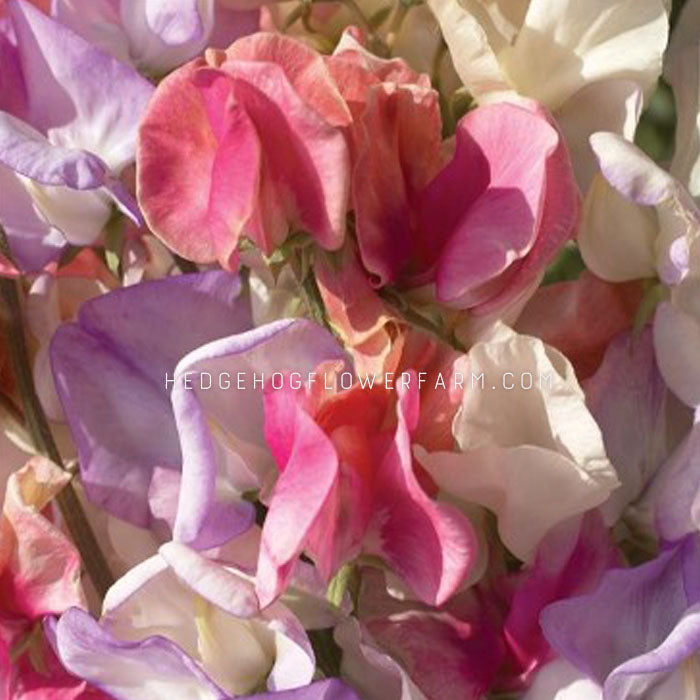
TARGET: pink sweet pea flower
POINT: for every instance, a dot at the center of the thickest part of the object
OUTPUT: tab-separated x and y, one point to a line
246	142
348	485
482	227
39	575
454	652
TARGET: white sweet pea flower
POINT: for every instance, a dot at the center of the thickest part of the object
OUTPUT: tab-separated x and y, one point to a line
211	612
589	62
535	456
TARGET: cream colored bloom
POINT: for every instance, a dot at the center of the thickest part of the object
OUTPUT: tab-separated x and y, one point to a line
534	456
588	61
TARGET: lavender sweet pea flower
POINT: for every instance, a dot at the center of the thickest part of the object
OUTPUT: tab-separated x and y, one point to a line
158	35
110	373
638	634
640	222
629	401
675	493
67	130
154	668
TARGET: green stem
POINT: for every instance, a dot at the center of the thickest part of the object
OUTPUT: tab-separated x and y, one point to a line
40	433
400	12
187	267
419	321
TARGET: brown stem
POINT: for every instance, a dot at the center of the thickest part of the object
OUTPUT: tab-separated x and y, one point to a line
40	433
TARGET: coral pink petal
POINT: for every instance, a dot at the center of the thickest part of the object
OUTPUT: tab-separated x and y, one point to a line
303	67
306	159
188	148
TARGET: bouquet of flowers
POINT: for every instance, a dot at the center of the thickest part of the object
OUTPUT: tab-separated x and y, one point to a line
350	349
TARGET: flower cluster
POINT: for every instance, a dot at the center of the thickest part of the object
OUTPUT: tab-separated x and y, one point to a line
350	349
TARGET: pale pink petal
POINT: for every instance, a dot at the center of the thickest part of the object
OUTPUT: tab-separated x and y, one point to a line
302	66
39	567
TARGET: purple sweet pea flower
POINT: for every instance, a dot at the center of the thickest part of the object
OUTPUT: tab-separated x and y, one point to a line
67	130
675	494
110	372
154	668
628	398
638	634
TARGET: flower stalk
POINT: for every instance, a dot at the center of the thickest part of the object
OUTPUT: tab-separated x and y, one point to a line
40	433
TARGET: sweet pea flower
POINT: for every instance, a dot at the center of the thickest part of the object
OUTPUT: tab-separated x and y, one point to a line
189	622
64	136
200	612
651	650
39	575
348	486
162	406
158	36
486	638
221	428
40	568
404	650
246	142
656	228
156	668
570	560
635	411
53	298
589	63
534	456
481	227
110	372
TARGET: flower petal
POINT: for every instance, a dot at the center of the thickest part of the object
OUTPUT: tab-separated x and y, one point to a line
154	667
655	606
123	425
221	428
69	89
